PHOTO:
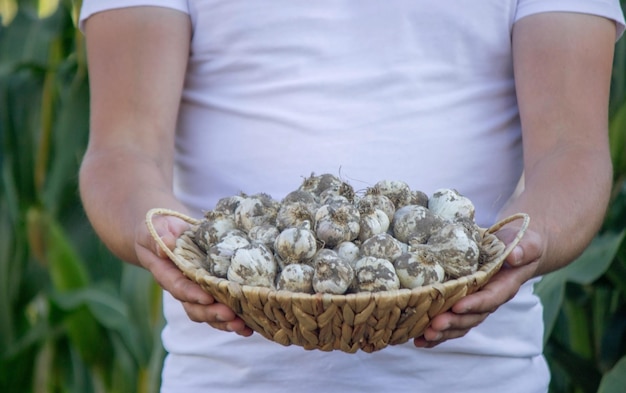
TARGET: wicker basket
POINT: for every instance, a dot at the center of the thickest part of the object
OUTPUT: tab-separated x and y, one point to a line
366	321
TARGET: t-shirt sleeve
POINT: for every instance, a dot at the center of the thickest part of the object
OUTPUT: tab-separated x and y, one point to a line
91	7
610	9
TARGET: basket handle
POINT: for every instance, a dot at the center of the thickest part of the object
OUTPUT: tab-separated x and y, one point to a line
166	212
520	233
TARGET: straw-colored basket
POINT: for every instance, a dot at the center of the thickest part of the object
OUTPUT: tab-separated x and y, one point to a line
366	321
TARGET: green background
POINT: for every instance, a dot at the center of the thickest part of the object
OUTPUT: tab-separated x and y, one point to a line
75	319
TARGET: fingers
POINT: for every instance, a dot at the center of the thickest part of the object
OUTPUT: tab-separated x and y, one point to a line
529	249
473	309
218	316
199	305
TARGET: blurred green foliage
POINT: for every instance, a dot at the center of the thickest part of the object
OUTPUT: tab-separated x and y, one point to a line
75	319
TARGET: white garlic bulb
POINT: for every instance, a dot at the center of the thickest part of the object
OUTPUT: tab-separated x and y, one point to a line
375	275
300	196
228	205
212	228
418	267
373	222
316	184
382	246
332	274
455	250
337	223
419	198
253	265
348	251
451	205
264	234
415	222
293	214
296	244
378	201
219	256
296	277
398	191
256	210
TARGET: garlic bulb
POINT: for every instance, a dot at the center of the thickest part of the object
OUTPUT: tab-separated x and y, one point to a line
375	275
419	198
398	191
337	223
211	229
219	256
348	251
228	205
451	205
342	192
456	251
318	184
300	196
378	201
256	210
296	244
265	234
373	222
296	278
382	246
418	267
332	274
416	223
254	265
293	214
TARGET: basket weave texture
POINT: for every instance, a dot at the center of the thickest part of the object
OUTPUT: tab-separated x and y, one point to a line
367	321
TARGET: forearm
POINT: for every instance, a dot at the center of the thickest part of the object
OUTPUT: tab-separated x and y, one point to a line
117	188
566	195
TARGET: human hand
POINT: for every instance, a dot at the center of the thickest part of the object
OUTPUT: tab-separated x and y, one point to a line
519	267
198	304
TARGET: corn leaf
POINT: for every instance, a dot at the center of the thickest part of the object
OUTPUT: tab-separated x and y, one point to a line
615	380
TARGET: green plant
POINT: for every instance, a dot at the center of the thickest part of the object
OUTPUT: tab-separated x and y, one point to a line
72	317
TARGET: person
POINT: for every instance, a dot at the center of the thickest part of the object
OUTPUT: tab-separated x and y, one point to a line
192	101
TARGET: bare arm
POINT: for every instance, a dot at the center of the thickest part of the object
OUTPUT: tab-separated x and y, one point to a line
137	62
562	65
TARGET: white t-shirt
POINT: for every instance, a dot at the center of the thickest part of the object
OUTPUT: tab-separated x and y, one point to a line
416	91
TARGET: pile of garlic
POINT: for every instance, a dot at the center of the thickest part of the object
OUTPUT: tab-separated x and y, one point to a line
323	238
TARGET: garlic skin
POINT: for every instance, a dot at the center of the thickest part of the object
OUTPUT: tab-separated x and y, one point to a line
264	234
332	274
382	246
418	268
253	265
373	222
296	244
337	223
348	251
212	228
296	277
398	191
451	205
455	250
219	256
415	223
376	275
256	210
